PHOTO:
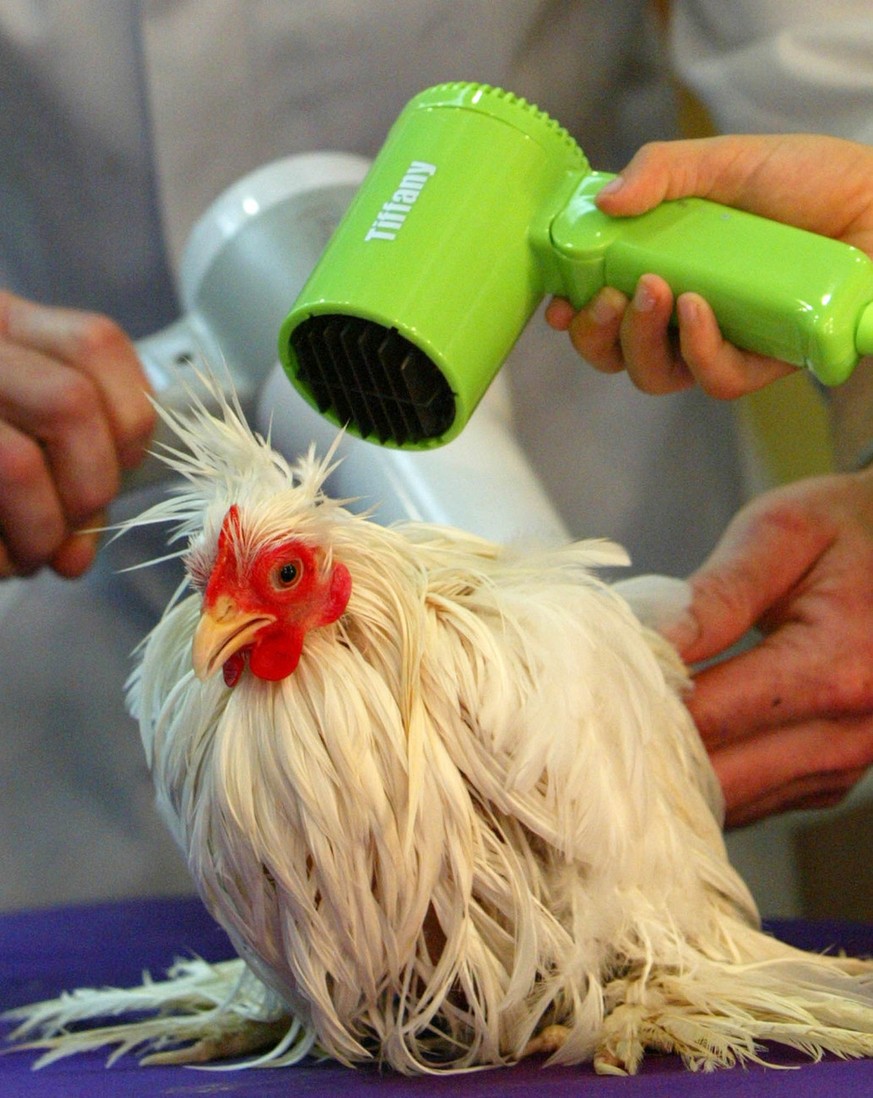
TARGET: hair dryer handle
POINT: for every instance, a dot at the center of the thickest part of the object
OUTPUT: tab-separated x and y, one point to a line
775	289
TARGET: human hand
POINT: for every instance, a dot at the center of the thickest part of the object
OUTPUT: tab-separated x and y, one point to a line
823	184
788	723
73	414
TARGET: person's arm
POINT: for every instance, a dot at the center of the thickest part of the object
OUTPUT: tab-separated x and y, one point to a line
73	414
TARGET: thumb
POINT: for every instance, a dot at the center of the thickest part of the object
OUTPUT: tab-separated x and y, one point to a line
665	170
755	566
787	177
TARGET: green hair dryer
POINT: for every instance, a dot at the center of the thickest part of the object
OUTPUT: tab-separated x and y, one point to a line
477	206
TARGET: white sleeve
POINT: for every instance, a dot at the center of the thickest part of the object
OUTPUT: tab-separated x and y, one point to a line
771	66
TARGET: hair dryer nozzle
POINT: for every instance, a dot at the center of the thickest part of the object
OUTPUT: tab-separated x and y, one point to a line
430	277
372	378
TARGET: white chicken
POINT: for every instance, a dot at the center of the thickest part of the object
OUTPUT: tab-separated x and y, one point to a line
445	798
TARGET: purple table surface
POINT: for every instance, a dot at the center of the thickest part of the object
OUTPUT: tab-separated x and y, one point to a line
45	952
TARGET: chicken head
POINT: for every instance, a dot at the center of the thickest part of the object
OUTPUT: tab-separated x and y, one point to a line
259	604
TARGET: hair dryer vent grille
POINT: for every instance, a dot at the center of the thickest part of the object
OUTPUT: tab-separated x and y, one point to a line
373	379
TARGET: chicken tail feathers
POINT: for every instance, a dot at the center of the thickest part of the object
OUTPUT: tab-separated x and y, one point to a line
200	1013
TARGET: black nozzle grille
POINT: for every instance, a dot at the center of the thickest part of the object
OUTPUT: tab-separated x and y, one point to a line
373	379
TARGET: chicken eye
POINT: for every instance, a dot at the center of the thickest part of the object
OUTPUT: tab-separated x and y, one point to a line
288	573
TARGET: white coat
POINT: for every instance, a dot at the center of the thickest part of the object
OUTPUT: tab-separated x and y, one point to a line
123	120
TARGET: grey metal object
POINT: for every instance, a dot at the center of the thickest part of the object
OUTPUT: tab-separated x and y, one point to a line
243	266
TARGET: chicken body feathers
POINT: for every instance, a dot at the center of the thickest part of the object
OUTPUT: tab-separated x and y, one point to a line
478	807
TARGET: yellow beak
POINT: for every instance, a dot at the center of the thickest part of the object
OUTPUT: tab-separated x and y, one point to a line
223	629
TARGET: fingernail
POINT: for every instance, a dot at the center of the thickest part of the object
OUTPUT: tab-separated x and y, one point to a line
603	309
686	309
682	631
644	299
559	314
613	185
